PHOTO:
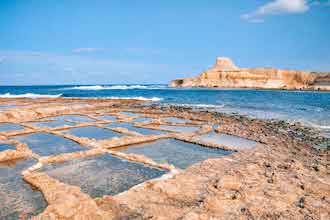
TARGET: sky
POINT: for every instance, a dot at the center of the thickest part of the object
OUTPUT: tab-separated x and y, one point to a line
45	42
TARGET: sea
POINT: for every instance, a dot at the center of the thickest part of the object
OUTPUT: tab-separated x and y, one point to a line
311	108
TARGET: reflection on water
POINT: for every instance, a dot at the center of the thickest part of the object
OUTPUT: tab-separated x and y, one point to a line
176	120
17	198
102	175
178	153
94	132
108	118
143	120
6	107
228	140
188	129
78	118
9	127
51	124
7	147
48	144
129	114
131	127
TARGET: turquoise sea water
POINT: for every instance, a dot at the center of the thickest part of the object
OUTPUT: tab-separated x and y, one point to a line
310	108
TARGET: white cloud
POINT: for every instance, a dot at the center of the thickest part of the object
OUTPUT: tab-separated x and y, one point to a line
277	7
86	50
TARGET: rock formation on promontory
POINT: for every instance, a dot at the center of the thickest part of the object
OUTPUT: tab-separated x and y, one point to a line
224	74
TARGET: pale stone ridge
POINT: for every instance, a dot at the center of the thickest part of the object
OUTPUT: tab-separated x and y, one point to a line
225	74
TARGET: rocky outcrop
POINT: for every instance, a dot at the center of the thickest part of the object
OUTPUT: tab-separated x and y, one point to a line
225	74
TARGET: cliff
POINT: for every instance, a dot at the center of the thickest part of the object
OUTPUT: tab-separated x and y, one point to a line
226	74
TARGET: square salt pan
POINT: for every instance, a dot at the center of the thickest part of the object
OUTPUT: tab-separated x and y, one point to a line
7	147
52	124
10	127
17	198
94	132
188	129
78	118
102	175
131	127
48	144
180	154
229	140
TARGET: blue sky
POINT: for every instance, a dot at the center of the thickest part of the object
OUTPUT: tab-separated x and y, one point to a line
154	41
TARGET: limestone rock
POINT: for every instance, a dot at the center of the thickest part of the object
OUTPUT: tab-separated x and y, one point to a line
226	74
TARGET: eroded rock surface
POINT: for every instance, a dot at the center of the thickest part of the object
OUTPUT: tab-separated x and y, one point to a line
225	74
285	177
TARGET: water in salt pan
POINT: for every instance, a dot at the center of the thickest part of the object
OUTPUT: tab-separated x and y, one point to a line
6	107
143	120
7	147
48	144
9	127
131	127
129	114
108	118
185	129
52	124
176	120
102	175
18	200
78	118
94	132
180	154
228	140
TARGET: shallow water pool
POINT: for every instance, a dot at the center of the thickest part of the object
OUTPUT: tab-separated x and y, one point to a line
129	114
180	154
52	124
102	175
107	118
94	132
7	147
78	118
185	129
48	144
131	127
228	140
176	120
143	120
9	127
18	200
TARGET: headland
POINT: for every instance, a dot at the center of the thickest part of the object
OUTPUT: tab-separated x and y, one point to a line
225	74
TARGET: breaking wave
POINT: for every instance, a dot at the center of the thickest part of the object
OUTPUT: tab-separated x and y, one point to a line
114	87
200	105
29	95
153	99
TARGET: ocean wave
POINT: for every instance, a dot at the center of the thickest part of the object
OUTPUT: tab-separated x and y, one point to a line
200	105
88	88
153	99
29	95
114	87
318	126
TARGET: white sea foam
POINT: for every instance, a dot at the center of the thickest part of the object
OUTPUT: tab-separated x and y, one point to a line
89	88
114	87
153	99
29	95
200	105
318	126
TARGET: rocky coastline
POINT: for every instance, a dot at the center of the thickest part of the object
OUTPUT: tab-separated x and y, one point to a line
225	74
286	177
